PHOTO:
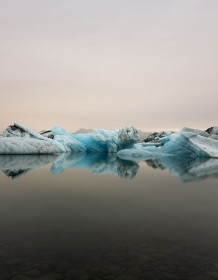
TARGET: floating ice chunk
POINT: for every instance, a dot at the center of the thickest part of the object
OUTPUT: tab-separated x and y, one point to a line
20	140
197	141
98	141
17	139
187	142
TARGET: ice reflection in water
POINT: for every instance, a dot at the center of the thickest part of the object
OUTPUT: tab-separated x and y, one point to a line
15	166
99	163
187	169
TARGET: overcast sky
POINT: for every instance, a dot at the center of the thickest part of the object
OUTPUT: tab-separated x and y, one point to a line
109	63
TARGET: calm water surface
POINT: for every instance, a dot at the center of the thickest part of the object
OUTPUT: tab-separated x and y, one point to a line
93	217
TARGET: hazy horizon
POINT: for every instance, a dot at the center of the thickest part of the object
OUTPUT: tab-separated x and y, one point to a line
109	64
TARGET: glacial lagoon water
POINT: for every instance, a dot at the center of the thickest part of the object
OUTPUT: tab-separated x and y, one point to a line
79	216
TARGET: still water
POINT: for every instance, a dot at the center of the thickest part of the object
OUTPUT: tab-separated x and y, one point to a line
93	217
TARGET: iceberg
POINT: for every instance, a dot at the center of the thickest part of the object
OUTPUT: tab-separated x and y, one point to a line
100	140
185	143
17	139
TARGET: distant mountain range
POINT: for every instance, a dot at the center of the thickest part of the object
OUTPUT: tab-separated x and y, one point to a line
142	134
84	130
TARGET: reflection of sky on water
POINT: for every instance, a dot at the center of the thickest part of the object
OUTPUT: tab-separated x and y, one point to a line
187	169
153	226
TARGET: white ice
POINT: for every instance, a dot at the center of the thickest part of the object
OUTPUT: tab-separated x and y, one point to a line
187	142
19	140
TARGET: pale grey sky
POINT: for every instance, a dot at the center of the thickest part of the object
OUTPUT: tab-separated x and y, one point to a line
108	64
